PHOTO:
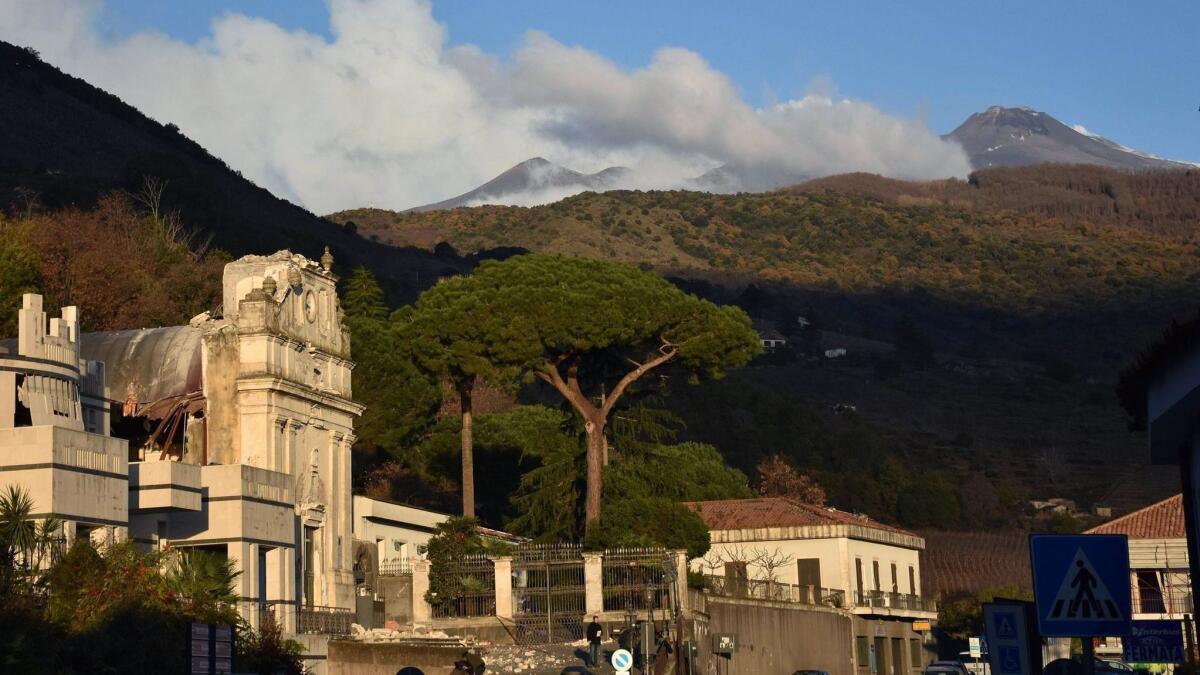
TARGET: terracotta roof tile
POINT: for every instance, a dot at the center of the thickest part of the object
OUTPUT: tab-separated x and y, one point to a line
744	514
1163	520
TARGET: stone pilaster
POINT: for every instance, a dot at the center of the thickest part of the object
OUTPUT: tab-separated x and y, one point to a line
680	560
421	611
593	583
504	593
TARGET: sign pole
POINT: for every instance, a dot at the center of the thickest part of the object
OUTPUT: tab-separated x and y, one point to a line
1089	655
1189	643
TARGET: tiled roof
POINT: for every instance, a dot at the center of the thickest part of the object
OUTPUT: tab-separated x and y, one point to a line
1163	520
746	514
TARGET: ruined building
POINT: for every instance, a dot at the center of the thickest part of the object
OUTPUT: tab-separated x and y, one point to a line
231	434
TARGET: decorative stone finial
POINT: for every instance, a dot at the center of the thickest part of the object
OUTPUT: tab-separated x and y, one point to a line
293	276
327	260
269	285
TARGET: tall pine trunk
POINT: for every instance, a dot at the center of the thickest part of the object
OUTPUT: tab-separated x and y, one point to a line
596	448
468	447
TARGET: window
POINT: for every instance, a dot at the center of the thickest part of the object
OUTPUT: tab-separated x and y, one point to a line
875	570
914	652
858	575
736	576
736	570
1149	592
808	572
262	575
895	584
309	565
863	650
912	580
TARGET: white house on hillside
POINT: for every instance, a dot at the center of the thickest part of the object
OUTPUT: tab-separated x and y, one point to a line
775	548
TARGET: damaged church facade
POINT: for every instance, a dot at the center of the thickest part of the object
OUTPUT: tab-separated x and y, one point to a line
231	434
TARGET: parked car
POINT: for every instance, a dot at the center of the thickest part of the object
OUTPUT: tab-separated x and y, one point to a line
810	672
946	668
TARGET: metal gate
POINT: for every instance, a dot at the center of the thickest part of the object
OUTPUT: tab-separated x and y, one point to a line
638	579
548	593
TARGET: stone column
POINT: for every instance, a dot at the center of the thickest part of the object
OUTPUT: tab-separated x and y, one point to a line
281	586
680	560
245	558
421	611
504	594
593	583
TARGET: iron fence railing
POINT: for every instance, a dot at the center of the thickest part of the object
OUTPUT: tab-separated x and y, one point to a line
267	620
463	588
324	620
549	598
887	600
395	567
636	579
762	589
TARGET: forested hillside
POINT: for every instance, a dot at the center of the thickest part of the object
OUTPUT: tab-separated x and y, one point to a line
66	144
1037	258
985	323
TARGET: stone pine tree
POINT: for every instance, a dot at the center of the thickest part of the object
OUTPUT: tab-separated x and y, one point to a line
452	332
592	330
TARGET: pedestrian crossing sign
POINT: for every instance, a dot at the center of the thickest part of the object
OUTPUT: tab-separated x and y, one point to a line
1081	584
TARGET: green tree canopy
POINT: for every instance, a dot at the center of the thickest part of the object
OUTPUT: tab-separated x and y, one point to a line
592	330
18	275
400	399
453	332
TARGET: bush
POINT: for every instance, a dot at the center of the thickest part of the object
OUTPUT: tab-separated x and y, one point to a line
649	521
266	652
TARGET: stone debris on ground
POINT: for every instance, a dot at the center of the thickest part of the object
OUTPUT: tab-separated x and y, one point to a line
357	632
515	660
500	659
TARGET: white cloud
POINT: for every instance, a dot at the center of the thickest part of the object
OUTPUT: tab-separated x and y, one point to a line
385	114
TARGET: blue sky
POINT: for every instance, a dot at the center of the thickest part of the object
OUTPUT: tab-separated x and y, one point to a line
1126	70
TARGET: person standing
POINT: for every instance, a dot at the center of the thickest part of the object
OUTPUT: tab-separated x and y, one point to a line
594	632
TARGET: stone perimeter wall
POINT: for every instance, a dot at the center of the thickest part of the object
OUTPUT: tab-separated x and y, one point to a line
773	638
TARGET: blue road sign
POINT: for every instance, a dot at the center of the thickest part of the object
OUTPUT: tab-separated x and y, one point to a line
1154	642
1008	636
1081	584
622	659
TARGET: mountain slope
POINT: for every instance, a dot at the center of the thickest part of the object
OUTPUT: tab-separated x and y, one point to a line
65	143
1034	286
1021	136
533	181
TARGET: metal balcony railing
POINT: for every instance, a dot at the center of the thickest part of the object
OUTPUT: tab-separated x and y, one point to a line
761	589
886	600
1176	601
395	567
324	620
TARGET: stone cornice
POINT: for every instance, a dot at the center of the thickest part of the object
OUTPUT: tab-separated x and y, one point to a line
839	531
269	382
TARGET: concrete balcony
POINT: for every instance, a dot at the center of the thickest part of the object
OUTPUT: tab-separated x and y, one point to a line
71	474
904	605
238	503
164	486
